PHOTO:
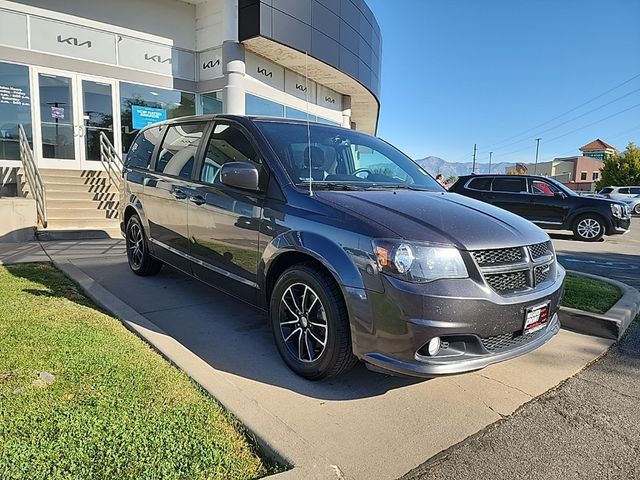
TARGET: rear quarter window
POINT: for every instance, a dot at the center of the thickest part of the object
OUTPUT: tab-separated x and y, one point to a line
483	184
141	150
509	185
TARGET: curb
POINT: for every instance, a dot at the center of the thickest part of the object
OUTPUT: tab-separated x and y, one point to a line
284	446
611	324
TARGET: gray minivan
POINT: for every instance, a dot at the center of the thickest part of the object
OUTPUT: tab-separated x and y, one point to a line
354	250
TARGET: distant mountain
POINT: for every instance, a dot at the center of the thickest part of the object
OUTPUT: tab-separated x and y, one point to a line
436	165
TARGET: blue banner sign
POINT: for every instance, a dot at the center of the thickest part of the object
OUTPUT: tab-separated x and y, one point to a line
143	116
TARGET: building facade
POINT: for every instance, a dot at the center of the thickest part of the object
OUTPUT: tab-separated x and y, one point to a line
70	69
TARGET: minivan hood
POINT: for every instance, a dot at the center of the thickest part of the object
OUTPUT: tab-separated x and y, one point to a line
438	217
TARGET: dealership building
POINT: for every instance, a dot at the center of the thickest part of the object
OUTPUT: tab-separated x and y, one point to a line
70	69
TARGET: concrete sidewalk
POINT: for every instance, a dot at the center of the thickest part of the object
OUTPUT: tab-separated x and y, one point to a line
362	425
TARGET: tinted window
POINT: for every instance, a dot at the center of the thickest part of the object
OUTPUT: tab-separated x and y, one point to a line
179	148
15	108
139	155
623	191
605	190
635	190
227	144
513	185
483	184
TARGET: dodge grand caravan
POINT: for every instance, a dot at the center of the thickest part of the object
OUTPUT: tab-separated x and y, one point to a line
356	252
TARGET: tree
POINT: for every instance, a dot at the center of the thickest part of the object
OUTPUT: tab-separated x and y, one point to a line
621	169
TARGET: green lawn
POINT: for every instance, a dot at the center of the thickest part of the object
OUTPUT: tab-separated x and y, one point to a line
116	410
590	295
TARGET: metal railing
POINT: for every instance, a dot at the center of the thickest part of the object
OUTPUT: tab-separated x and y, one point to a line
111	161
32	174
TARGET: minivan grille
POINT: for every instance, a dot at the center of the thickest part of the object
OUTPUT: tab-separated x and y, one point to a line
516	269
496	257
507	282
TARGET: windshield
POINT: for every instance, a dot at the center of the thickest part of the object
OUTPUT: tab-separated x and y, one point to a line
332	157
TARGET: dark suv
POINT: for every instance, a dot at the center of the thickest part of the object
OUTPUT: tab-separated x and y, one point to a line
354	250
548	203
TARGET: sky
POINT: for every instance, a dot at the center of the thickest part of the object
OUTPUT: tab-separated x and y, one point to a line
498	72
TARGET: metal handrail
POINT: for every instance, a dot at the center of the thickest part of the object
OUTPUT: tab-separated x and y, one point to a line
32	174
111	161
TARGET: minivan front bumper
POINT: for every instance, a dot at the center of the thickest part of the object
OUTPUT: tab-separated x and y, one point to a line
477	330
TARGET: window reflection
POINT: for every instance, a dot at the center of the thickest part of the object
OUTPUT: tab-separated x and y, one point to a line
211	103
15	108
56	117
162	103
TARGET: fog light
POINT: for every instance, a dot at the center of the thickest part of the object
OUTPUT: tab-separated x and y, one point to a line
434	346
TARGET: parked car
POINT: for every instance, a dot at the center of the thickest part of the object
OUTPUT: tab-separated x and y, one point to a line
634	204
548	203
619	193
352	248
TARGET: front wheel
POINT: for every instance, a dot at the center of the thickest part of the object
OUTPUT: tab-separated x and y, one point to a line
636	209
140	260
310	323
588	228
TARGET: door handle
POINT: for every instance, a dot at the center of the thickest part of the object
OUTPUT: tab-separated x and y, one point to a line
179	194
198	199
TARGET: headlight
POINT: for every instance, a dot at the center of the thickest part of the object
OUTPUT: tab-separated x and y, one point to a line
617	210
419	263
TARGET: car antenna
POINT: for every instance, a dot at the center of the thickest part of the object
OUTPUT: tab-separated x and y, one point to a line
306	91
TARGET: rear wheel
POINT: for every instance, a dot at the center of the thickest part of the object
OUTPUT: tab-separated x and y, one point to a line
588	228
310	323
636	209
140	260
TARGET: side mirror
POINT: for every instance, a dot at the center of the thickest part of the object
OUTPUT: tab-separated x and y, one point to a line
240	175
559	194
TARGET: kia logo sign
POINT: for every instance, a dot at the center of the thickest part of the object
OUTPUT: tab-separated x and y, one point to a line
265	72
302	88
329	99
210	64
73	41
156	58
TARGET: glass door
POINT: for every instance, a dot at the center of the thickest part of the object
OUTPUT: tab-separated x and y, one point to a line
73	110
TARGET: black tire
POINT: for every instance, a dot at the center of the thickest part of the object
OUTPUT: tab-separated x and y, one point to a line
588	228
140	260
636	209
312	360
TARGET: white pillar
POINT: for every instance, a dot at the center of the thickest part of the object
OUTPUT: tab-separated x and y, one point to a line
233	67
346	111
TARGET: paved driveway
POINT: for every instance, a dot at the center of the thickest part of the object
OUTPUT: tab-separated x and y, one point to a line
616	257
370	426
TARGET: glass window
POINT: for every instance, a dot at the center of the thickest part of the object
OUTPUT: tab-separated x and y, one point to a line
635	190
509	185
211	103
583	175
623	191
299	114
335	157
179	148
142	105
15	108
605	191
56	116
227	144
482	183
595	175
328	122
261	106
141	150
542	188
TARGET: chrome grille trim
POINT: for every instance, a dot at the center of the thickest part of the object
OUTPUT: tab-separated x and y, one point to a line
516	269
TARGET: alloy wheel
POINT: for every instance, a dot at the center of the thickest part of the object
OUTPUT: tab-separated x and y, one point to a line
303	323
589	228
136	245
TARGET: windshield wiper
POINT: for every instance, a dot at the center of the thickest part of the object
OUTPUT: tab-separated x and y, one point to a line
331	186
394	186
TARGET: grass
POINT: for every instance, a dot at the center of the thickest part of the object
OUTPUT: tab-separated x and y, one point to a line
589	294
116	409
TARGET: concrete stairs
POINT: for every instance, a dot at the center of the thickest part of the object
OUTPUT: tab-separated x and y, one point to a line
80	204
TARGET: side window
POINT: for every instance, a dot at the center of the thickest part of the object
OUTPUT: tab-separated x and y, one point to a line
179	148
139	155
227	144
483	184
542	188
623	191
635	190
509	185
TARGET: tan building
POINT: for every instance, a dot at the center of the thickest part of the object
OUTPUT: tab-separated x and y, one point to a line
598	149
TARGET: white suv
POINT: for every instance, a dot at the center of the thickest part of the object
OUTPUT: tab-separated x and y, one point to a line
619	193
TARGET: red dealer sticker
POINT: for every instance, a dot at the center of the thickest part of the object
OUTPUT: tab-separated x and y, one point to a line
535	318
